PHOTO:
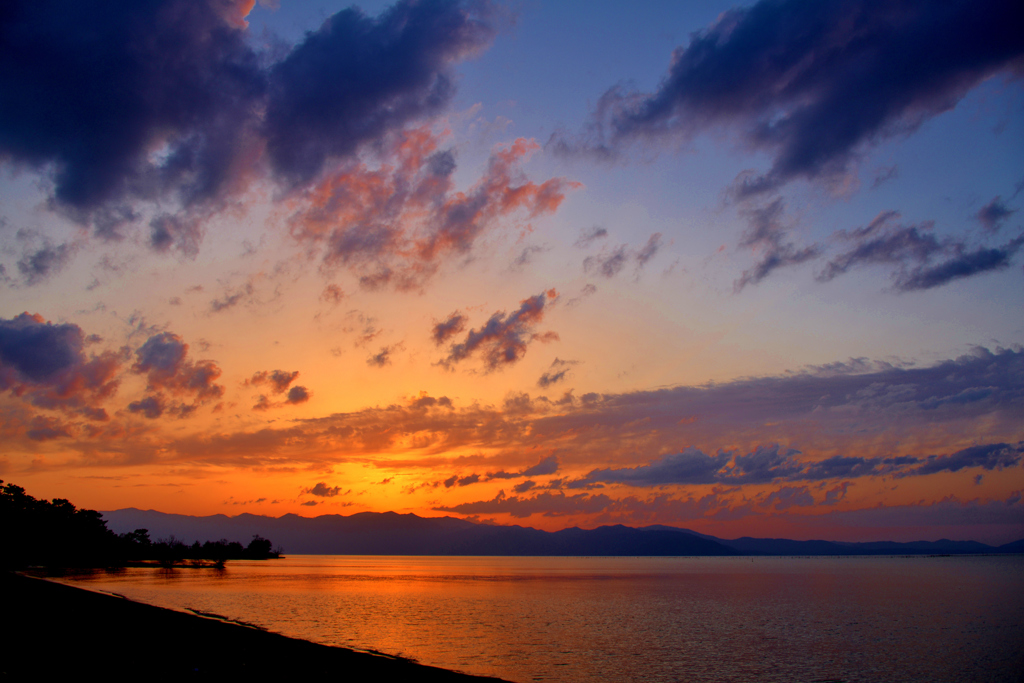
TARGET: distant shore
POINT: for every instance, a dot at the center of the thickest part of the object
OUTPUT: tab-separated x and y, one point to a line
81	631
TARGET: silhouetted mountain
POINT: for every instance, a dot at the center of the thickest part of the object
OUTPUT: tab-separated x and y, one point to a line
390	533
1015	547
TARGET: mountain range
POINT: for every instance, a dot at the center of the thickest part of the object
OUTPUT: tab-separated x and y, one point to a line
390	533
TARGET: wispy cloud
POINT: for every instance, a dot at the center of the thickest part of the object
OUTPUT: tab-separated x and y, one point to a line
393	225
610	262
767	236
504	337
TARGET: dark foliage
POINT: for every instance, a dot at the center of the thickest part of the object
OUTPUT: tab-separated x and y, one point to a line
57	534
39	532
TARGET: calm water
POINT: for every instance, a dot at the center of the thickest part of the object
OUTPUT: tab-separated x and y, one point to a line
624	619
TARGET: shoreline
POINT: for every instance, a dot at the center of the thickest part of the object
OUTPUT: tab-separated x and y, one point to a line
82	630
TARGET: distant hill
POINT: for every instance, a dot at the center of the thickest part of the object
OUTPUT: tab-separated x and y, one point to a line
390	533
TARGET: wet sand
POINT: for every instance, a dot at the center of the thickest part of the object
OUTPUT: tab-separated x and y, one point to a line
56	630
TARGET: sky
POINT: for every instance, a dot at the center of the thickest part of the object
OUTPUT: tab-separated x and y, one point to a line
751	269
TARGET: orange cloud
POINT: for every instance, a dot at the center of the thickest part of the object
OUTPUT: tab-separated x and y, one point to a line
393	225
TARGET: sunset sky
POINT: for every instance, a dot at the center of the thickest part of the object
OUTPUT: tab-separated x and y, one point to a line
748	269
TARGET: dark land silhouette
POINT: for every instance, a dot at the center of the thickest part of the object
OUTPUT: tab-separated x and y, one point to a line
390	533
118	640
57	534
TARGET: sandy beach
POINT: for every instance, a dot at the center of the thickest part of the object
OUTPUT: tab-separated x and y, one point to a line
60	631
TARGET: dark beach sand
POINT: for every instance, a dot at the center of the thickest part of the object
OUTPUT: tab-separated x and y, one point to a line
53	630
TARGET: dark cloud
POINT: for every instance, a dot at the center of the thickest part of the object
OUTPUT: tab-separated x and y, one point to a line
765	464
556	373
425	402
517	403
591	235
525	257
549	378
588	290
610	263
163	359
773	463
34	350
456	480
323	490
151	407
364	326
964	263
504	475
647	252
885	241
815	82
90	90
787	497
994	214
548	504
278	380
232	298
181	233
383	277
688	467
381	358
47	429
835	495
990	457
844	467
504	337
525	486
46	365
38	264
913	250
448	328
548	465
357	78
767	236
297	395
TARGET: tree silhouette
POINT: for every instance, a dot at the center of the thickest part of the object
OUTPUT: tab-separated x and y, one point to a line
57	534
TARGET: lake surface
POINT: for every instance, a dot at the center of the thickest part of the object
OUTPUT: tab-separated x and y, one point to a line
625	619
